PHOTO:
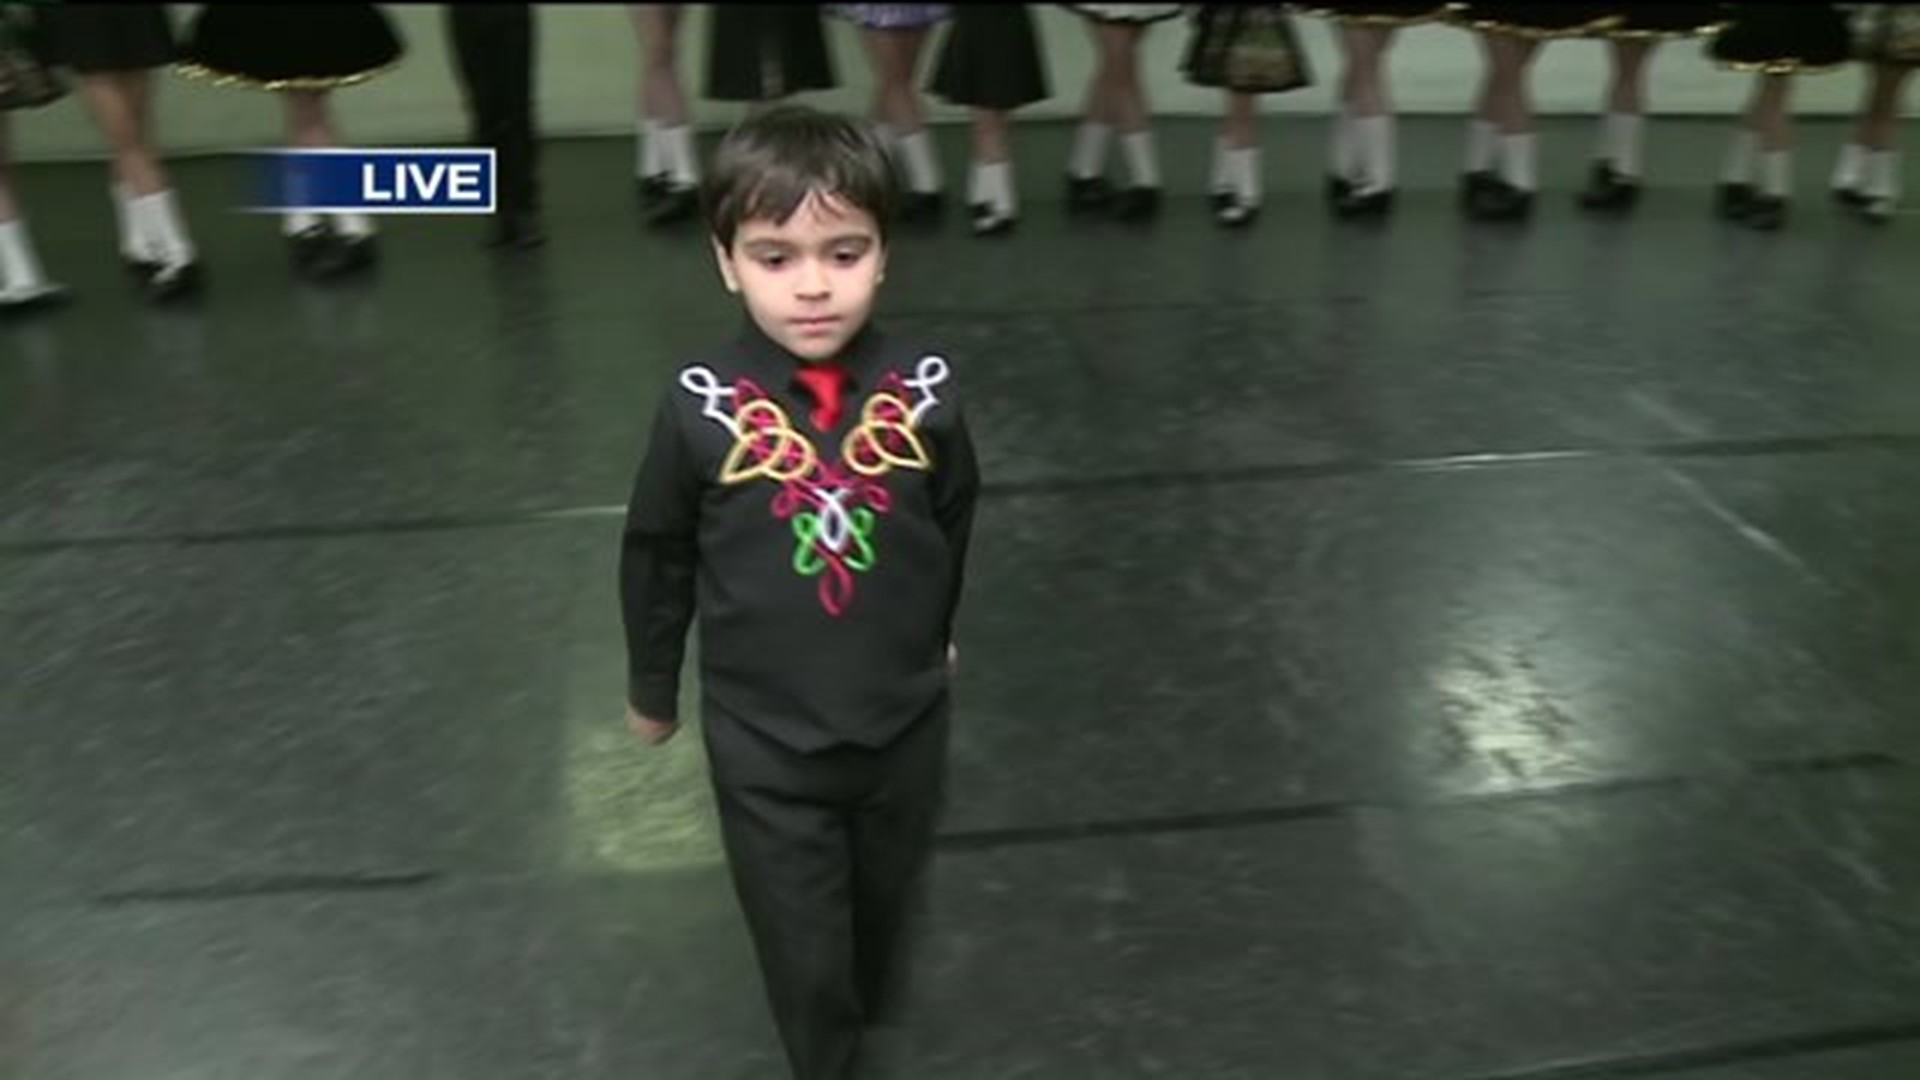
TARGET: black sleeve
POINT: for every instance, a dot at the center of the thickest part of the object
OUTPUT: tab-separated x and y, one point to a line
657	562
956	488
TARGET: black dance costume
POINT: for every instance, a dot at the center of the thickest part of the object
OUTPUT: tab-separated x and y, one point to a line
1783	39
764	52
299	47
96	38
1613	183
102	39
290	46
991	59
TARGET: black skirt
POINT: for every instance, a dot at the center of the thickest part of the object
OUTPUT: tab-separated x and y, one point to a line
1248	48
1888	34
1783	39
991	59
1662	20
1532	20
1376	14
759	52
290	46
91	38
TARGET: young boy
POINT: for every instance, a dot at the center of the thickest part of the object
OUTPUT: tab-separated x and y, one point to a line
809	490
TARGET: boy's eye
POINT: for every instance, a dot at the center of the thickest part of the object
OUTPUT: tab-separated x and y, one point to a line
848	254
773	260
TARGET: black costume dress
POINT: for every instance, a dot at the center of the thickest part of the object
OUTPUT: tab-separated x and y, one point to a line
93	38
991	59
1783	39
761	52
290	46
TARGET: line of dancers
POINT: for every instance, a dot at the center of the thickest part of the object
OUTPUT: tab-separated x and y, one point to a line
989	61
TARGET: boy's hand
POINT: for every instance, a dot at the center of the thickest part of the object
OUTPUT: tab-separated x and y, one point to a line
652	732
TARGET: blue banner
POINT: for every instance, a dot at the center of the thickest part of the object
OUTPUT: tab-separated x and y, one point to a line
410	181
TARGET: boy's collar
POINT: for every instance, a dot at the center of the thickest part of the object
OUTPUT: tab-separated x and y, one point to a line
766	353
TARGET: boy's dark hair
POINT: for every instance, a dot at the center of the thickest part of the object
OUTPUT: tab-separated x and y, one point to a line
768	165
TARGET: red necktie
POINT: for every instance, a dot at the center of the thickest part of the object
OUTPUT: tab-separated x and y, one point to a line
825	382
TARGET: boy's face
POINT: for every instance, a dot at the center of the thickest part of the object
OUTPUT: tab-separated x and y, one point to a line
808	282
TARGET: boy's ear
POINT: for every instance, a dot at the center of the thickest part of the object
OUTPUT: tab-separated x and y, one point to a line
724	259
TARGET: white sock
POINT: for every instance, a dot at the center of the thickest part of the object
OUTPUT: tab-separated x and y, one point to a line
1243	166
1377	152
1738	168
923	166
1343	158
1143	164
1624	137
1089	150
1883	174
1517	161
1846	170
19	267
649	160
354	225
130	245
296	222
156	218
1776	173
995	180
1219	180
1482	142
676	152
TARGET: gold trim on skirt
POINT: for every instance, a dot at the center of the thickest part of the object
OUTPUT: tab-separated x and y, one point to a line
1630	34
1780	67
1494	26
1437	14
304	82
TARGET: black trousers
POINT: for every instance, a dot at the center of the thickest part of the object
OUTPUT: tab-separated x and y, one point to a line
829	853
493	48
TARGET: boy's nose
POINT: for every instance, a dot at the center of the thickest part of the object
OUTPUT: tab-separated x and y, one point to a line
812	281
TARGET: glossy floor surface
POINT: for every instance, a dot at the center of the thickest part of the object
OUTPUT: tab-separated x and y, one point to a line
1430	651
